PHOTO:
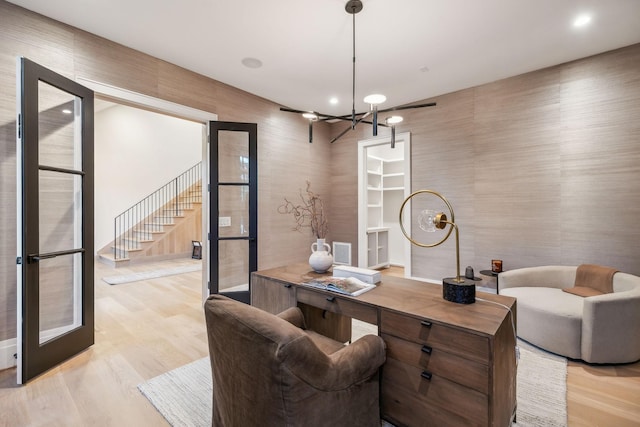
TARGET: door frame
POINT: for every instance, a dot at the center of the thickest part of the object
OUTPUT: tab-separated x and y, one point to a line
251	129
135	99
37	354
363	220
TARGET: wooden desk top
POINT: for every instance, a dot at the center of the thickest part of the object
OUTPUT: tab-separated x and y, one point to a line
412	297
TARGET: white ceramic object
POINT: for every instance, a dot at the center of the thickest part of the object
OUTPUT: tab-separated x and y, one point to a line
320	259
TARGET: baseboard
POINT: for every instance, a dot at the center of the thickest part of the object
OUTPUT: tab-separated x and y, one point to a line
422	279
7	350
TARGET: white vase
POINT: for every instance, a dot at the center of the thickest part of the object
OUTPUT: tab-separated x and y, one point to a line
320	259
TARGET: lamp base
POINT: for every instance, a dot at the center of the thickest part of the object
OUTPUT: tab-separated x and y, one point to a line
458	292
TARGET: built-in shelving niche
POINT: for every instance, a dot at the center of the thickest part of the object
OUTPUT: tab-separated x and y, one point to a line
384	182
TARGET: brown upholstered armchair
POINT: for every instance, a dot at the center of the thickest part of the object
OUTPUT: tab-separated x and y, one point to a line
268	370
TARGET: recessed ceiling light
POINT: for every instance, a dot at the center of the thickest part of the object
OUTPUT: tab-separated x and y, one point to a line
66	111
582	20
251	62
333	100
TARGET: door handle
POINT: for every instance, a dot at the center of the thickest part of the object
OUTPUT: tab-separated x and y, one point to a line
39	257
32	258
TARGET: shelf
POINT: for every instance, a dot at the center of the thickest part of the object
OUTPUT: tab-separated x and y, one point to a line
393	189
384	175
377	229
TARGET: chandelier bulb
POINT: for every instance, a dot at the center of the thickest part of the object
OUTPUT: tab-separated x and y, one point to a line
374	99
393	120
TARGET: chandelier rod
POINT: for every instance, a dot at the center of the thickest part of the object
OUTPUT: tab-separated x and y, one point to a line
353	7
353	74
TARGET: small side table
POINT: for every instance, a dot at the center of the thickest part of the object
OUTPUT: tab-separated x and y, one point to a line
493	274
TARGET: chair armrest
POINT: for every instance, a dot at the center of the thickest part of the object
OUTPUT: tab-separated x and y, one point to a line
352	364
549	276
610	325
294	316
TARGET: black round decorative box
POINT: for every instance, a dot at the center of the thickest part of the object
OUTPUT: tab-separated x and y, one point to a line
459	292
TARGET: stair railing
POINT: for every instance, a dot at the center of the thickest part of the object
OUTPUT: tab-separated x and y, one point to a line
140	221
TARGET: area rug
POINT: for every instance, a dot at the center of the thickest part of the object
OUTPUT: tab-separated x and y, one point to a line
183	395
541	386
151	274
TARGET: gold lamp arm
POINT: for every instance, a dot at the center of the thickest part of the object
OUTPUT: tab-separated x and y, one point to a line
458	279
439	221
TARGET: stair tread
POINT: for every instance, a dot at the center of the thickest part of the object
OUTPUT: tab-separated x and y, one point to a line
124	248
110	257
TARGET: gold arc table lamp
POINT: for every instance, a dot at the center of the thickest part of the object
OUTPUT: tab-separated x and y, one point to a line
454	289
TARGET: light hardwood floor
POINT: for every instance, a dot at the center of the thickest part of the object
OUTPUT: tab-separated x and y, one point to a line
143	329
149	327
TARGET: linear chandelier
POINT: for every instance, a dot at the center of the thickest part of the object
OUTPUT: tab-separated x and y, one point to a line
353	7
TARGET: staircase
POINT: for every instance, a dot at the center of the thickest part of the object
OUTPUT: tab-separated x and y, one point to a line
160	226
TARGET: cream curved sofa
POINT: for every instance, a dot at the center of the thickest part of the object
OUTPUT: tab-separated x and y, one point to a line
597	329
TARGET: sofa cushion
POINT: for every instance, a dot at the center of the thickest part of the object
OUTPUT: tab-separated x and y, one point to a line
549	318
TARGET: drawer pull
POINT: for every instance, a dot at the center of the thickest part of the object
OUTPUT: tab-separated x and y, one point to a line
426	323
288	285
426	349
331	299
426	375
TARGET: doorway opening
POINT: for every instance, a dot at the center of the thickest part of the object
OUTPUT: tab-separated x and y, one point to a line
115	101
384	181
147	182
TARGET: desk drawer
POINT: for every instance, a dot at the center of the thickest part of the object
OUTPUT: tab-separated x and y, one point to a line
401	407
438	362
337	304
434	335
405	385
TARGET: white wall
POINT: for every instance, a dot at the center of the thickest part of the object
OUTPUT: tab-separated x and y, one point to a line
136	152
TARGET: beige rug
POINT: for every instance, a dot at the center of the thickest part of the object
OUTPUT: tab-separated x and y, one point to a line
183	395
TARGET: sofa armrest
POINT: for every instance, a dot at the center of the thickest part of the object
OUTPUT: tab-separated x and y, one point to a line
350	365
294	316
549	276
610	328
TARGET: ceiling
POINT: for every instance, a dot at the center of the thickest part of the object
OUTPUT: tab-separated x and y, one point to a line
408	50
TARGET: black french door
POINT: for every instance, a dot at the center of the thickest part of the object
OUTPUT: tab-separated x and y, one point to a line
233	208
55	219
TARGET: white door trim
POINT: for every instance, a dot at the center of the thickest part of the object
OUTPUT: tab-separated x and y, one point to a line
362	191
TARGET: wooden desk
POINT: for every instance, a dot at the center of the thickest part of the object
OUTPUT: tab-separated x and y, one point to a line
447	364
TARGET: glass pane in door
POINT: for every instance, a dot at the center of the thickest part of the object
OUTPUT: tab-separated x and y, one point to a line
59	123
233	156
234	210
59	211
234	266
60	295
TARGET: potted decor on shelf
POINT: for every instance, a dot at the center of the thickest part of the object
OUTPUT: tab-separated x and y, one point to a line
309	213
